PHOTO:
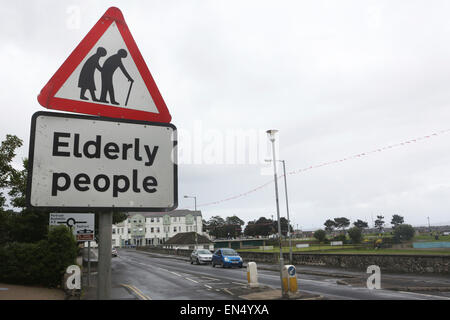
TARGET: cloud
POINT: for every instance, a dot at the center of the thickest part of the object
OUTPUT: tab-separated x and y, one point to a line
336	78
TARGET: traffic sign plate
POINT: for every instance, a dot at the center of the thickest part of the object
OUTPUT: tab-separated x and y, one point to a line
106	75
82	224
85	163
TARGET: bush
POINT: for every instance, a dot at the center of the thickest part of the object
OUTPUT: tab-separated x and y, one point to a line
41	263
320	235
404	232
341	237
355	235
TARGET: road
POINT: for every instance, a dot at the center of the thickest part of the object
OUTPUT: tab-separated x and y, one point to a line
160	278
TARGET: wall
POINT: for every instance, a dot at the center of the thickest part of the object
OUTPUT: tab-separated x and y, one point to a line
391	263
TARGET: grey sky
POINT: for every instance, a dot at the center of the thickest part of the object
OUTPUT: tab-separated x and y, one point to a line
337	78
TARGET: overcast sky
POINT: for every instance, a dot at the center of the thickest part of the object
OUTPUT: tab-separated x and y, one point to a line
336	78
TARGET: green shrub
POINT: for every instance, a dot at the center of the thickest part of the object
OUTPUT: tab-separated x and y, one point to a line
40	263
355	235
340	237
404	232
320	235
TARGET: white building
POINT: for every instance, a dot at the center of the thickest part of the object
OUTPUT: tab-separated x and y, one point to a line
154	228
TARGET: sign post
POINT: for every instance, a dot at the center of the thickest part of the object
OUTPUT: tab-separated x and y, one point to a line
104	256
120	158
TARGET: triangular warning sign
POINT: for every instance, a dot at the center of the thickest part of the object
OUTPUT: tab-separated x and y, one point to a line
106	76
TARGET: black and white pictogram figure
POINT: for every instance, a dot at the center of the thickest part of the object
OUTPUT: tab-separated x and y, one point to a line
86	81
109	67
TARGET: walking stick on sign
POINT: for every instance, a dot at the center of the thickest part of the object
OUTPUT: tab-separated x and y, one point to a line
129	90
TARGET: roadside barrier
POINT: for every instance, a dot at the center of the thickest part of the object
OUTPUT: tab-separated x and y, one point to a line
289	276
252	275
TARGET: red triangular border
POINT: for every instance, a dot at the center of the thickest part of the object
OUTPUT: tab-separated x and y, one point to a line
47	95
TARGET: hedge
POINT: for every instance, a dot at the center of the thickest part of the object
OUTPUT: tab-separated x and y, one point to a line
40	263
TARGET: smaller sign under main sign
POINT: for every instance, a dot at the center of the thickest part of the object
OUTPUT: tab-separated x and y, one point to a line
81	224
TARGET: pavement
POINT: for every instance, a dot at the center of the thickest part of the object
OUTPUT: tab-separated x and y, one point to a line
17	292
21	292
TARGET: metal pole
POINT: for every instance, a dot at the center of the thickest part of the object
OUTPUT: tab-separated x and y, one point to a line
89	264
196	226
104	256
287	210
278	214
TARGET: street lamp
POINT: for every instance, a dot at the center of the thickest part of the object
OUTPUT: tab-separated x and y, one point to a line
271	136
287	209
195	218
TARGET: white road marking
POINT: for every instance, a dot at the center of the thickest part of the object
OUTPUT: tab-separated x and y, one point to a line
425	295
191	280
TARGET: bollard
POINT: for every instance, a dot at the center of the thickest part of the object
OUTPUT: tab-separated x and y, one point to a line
252	275
289	279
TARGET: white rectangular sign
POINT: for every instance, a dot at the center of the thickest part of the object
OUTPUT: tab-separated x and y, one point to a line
82	224
81	163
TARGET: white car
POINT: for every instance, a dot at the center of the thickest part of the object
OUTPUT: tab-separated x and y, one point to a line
200	256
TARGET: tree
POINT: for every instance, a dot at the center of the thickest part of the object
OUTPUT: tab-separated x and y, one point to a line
320	235
234	220
233	226
283	225
404	232
360	224
214	225
260	227
18	185
355	234
379	223
329	225
342	223
396	220
7	153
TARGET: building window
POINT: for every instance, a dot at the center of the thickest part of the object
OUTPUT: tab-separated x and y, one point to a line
151	230
114	231
157	229
174	229
157	220
152	220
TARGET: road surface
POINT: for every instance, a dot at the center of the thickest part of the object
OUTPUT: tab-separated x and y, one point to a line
151	277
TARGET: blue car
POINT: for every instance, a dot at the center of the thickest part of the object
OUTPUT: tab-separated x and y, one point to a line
226	257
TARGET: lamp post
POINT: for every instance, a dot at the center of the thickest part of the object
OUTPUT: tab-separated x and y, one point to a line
287	209
271	136
195	218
